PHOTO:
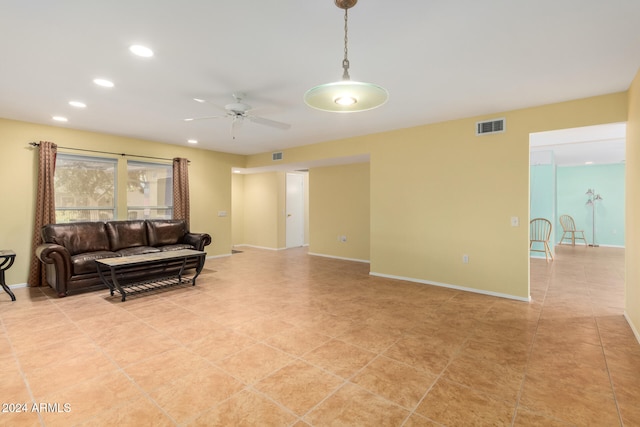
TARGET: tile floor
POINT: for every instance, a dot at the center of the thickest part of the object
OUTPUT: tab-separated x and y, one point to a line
286	339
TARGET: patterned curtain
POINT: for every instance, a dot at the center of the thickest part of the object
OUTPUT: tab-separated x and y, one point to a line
45	207
181	189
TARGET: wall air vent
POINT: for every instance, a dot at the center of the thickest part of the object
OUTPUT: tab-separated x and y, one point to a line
276	156
490	126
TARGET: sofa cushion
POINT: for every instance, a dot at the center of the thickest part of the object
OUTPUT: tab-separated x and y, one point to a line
77	237
86	262
163	232
176	247
137	250
126	234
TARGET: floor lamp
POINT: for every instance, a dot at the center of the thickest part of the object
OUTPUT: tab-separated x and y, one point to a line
593	198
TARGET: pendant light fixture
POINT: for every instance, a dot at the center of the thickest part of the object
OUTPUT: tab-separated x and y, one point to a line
346	96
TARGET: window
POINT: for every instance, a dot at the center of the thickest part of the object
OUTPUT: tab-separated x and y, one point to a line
85	188
149	190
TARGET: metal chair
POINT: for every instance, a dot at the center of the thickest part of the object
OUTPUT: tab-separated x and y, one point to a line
539	232
569	227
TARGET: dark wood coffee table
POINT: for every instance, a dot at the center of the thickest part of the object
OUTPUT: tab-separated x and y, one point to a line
6	261
119	266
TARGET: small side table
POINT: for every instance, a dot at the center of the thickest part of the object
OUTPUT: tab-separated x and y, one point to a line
6	261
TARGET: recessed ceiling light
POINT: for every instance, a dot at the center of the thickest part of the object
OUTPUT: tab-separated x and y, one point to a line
60	119
77	104
140	50
588	163
103	82
199	100
192	141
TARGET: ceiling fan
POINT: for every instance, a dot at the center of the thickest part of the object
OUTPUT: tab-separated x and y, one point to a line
237	112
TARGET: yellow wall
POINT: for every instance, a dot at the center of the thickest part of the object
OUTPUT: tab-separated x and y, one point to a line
439	191
209	181
339	205
262	204
237	209
632	184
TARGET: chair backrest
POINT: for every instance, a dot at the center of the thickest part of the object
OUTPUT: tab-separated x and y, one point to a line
567	223
540	229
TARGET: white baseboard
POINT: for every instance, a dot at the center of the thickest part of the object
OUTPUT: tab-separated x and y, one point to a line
341	258
218	256
446	285
19	285
633	328
265	248
258	247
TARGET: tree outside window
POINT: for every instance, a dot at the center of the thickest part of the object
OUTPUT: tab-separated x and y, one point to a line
85	188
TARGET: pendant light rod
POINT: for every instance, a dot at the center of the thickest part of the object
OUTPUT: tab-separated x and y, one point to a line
345	61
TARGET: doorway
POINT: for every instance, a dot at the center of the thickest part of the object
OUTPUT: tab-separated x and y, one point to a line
295	222
565	166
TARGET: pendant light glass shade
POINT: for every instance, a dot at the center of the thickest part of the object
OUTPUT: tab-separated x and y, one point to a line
346	96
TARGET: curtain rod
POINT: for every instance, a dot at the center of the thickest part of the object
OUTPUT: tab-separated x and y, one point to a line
37	144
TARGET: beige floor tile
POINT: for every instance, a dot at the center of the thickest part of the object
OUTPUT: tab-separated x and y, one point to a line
297	341
20	419
569	403
339	358
299	386
165	367
395	381
419	353
373	338
355	406
133	413
262	329
247	345
186	398
254	363
452	404
485	375
67	372
525	418
245	409
87	399
136	349
220	343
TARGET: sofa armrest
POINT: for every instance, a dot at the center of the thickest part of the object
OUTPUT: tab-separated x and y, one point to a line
197	240
59	256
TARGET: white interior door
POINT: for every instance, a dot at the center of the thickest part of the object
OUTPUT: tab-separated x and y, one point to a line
295	210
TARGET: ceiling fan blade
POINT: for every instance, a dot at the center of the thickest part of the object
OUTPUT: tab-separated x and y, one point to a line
268	122
203	101
190	119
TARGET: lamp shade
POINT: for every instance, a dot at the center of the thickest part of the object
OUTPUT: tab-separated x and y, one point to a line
346	96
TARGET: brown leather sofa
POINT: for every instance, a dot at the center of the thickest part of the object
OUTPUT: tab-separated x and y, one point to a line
70	250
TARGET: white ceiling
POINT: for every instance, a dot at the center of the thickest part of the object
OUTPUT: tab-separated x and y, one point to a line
439	60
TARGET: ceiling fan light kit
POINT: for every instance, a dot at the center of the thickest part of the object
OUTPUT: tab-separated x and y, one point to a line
346	96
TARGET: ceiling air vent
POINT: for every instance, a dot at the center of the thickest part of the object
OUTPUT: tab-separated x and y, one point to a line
490	126
276	156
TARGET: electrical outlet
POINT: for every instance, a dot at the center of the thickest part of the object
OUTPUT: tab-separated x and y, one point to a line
515	221
343	239
465	259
